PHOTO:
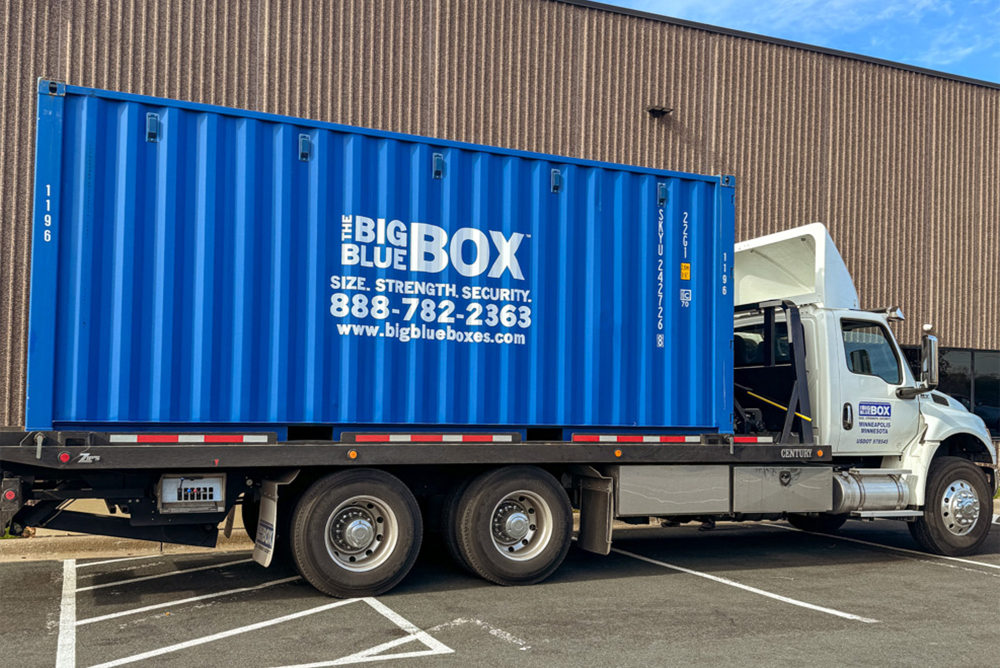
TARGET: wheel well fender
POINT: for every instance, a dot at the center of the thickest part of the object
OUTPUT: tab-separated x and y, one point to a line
972	448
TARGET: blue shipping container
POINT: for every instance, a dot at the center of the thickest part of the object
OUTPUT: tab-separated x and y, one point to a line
199	266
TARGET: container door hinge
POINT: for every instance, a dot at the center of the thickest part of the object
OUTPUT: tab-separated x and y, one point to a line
437	165
556	181
305	147
152	127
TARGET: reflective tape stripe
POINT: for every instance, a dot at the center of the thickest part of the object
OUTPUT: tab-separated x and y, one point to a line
753	439
188	438
633	438
156	438
433	438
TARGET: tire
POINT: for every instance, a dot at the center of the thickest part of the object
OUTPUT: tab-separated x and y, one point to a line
449	525
817	523
513	525
378	552
957	508
250	512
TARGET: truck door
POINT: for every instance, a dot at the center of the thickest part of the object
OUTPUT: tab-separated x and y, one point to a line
873	420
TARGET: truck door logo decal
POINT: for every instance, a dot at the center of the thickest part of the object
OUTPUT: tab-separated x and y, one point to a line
876	410
874	420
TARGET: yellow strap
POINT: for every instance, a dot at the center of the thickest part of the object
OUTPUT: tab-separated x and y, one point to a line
777	405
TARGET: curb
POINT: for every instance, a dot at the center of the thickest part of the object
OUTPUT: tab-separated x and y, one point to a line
83	546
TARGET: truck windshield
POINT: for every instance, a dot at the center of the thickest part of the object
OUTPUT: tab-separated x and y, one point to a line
869	351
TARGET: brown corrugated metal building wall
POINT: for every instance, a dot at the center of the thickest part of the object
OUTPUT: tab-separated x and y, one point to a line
903	165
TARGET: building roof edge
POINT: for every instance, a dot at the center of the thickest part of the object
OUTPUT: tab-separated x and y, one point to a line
614	9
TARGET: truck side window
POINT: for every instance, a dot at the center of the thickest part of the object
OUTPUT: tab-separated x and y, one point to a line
749	345
869	351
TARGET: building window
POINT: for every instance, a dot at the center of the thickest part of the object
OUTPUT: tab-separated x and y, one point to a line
956	375
970	376
986	388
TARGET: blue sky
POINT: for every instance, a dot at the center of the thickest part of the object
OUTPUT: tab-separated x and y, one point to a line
959	37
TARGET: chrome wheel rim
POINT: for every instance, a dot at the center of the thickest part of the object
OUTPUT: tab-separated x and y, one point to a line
361	533
960	507
521	525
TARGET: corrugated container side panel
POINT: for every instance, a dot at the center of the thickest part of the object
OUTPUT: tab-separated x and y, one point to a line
193	278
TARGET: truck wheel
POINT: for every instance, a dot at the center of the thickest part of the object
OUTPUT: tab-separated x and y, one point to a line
817	523
356	533
449	524
957	508
513	525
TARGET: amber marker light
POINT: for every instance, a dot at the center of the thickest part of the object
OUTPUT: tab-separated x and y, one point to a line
352	454
819	453
618	453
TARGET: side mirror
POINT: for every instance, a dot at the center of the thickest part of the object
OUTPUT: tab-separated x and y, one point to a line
929	359
928	366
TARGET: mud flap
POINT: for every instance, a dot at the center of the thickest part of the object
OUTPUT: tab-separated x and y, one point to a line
263	549
11	501
227	531
596	511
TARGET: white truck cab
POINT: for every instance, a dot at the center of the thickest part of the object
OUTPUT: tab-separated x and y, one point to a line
900	449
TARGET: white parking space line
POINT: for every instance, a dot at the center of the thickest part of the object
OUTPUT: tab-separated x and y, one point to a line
434	646
996	519
115	561
497	633
375	654
66	649
184	601
924	555
224	634
116	583
409	627
753	590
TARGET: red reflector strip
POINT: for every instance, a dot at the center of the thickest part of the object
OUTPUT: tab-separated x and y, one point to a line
433	438
156	438
426	438
633	438
753	439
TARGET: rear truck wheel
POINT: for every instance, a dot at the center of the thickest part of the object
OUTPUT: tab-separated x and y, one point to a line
817	523
356	533
513	525
449	524
957	508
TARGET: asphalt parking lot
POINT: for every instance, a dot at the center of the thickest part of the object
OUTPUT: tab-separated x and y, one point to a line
761	594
